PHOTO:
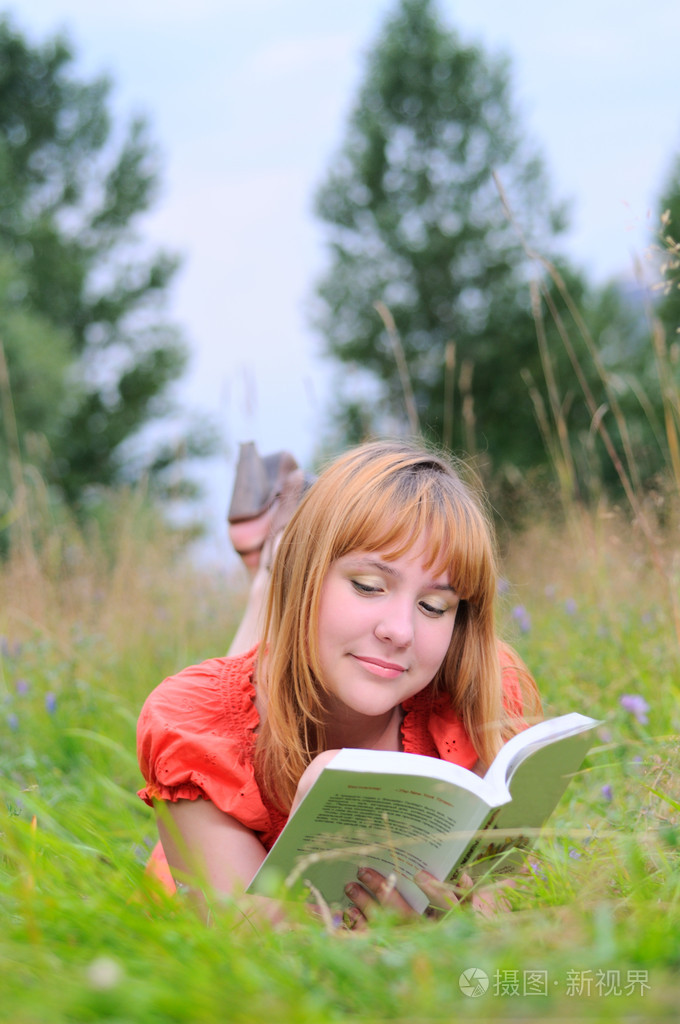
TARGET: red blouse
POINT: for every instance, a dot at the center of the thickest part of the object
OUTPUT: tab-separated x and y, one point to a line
196	738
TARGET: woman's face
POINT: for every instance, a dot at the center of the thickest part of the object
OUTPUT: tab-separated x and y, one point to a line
385	625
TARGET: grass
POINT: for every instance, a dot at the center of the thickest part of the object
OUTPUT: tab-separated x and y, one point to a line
92	622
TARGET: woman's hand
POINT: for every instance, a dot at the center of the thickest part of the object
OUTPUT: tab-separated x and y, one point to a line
310	775
376	891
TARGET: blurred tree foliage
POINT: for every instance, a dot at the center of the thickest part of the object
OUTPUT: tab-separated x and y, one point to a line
415	222
668	309
89	354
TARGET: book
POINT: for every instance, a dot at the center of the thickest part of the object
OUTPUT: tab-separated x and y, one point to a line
399	813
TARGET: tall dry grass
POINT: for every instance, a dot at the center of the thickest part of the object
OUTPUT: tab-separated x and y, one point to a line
653	513
120	583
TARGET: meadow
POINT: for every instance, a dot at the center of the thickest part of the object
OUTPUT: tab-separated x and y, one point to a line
91	620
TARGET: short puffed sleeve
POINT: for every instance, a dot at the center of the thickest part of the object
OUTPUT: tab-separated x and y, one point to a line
196	735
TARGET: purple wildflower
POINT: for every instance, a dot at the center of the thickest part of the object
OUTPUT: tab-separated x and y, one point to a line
637	706
13	721
9	648
50	702
22	686
607	792
522	617
574	854
570	606
503	586
536	869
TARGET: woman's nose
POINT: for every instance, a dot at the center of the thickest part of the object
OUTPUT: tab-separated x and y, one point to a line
396	623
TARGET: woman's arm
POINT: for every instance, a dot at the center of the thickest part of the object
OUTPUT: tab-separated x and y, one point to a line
202	842
205	846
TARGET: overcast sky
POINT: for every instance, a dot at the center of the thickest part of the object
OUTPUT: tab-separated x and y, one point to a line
247	100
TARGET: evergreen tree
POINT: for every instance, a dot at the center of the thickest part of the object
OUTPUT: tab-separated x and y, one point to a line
415	222
89	353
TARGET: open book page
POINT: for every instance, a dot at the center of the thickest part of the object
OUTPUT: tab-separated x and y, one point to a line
538	771
525	743
391	822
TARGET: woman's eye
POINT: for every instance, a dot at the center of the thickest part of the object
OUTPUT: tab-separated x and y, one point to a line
364	588
432	609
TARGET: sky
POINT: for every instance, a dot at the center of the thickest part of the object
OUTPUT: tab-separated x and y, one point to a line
247	101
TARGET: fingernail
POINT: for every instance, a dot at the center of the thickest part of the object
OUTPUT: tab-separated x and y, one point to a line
363	873
351	890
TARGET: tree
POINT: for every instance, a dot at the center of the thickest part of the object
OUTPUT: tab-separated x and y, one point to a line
415	222
89	354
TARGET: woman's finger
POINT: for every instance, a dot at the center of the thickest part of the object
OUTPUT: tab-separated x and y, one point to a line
442	895
376	890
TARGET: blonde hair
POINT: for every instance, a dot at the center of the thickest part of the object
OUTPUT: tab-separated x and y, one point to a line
381	496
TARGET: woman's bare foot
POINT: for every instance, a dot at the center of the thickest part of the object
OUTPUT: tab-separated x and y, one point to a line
249	536
266	491
255	540
258	560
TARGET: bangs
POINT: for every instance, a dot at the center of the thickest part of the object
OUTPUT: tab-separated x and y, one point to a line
393	516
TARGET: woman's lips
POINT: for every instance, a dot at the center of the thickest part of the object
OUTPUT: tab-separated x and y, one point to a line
378	667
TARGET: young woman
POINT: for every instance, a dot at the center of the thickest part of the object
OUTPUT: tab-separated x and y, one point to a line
378	633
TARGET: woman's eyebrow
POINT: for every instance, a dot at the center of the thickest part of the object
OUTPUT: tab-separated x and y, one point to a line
373	563
385	567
